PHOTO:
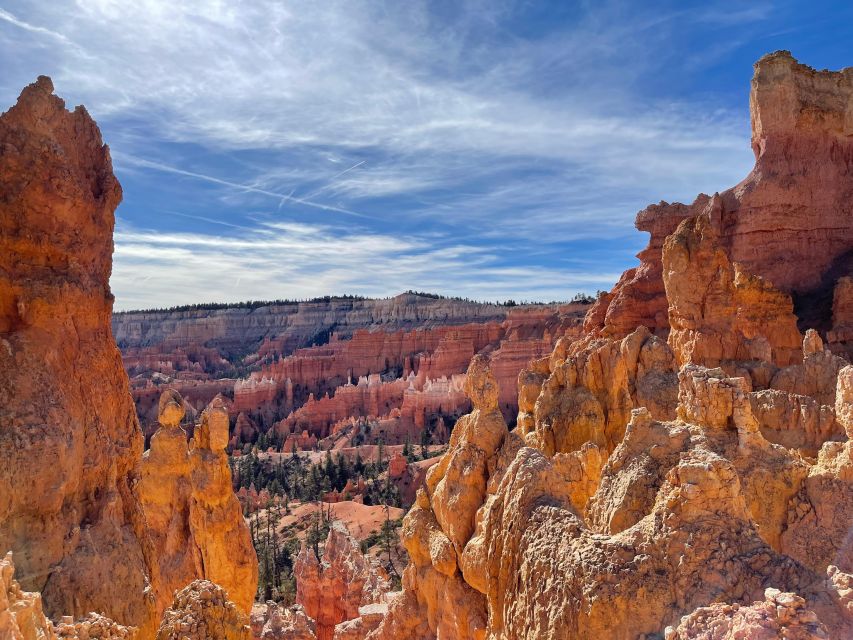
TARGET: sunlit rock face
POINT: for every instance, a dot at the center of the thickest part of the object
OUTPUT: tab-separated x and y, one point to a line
103	535
202	611
70	438
335	589
683	470
789	222
194	518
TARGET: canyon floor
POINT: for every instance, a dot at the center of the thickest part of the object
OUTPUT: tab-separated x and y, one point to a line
672	460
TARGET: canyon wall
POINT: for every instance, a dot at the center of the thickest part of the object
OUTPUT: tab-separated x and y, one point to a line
277	383
683	469
72	504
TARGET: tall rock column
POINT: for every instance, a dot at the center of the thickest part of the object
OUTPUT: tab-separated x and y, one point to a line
165	490
197	526
216	520
69	435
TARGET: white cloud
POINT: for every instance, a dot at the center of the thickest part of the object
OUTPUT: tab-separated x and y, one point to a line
495	141
302	261
381	76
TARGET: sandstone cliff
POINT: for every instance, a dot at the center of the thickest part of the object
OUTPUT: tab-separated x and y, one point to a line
789	221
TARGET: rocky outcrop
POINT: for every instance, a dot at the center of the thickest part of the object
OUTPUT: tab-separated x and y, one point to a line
70	505
286	326
699	503
195	519
272	622
332	589
841	336
21	614
202	611
638	298
650	480
22	617
789	222
821	513
70	439
779	615
591	387
719	314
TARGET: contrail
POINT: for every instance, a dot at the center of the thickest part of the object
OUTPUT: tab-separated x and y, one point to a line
11	19
334	177
211	220
235	185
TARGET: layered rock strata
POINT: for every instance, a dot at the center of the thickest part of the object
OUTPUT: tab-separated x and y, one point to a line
412	338
789	222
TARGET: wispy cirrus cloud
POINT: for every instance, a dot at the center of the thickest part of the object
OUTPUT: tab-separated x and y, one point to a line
522	132
318	260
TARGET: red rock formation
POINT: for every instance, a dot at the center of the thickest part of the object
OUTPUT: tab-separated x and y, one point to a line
270	622
332	589
779	615
409	334
195	519
719	314
639	297
70	508
22	617
202	611
245	430
424	384
841	336
70	436
795	232
642	514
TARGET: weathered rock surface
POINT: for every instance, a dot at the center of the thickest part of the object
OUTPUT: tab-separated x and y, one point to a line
70	440
271	622
332	589
202	611
720	315
648	480
841	336
21	614
789	222
592	386
22	617
70	506
779	615
698	504
195	519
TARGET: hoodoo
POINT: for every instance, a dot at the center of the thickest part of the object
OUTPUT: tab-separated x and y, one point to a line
70	506
680	469
685	465
70	438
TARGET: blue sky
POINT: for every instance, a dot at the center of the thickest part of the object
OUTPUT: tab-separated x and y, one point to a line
486	149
